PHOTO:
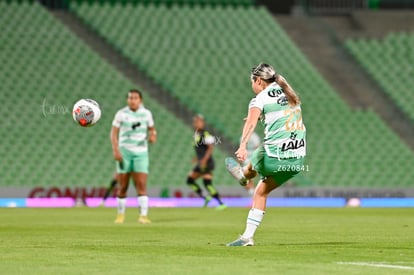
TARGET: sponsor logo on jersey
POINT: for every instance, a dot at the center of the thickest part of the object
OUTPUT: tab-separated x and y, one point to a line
293	145
280	95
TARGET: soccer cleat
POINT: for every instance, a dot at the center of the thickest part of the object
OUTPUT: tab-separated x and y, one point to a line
241	242
235	170
206	201
120	218
221	207
144	220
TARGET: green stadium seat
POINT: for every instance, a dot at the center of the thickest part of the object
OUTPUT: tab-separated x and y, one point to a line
392	57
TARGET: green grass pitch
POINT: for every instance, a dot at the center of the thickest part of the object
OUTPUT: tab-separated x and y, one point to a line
191	241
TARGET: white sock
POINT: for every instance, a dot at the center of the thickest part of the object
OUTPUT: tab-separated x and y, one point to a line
254	219
143	204
121	205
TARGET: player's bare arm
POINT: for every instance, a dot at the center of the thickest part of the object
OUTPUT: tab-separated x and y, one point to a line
114	141
248	129
152	135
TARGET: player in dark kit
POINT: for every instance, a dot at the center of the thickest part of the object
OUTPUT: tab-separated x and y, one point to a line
110	188
203	145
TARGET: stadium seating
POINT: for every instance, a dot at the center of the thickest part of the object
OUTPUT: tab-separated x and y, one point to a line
44	69
390	61
203	54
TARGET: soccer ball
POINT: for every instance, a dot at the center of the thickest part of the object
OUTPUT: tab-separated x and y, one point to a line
86	112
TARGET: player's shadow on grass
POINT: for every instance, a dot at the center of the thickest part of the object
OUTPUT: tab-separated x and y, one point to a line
309	244
317	244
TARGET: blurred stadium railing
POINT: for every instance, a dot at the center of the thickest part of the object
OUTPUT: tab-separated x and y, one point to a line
333	6
64	4
342	7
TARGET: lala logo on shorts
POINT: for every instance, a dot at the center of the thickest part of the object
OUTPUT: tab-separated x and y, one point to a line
294	144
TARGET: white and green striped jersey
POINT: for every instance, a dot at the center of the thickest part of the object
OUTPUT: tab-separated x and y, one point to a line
285	132
133	128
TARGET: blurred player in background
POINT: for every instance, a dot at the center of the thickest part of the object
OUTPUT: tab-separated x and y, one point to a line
203	145
132	128
252	145
282	153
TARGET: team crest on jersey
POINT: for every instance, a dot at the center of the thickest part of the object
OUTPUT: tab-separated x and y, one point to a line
282	101
135	125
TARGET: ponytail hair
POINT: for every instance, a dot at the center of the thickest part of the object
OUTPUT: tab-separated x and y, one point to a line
269	75
291	95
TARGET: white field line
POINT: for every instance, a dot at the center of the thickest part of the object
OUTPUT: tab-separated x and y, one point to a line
381	265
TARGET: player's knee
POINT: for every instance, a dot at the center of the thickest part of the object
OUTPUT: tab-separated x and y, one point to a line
263	190
207	176
190	180
207	182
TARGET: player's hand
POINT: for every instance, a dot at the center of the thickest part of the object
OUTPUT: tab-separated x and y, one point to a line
117	155
203	165
152	138
241	154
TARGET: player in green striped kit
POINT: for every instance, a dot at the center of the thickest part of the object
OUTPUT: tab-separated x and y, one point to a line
282	153
132	128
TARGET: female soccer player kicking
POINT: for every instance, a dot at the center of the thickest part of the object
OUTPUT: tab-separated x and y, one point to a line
132	126
284	148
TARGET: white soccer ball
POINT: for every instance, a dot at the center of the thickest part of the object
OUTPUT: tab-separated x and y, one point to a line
86	112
